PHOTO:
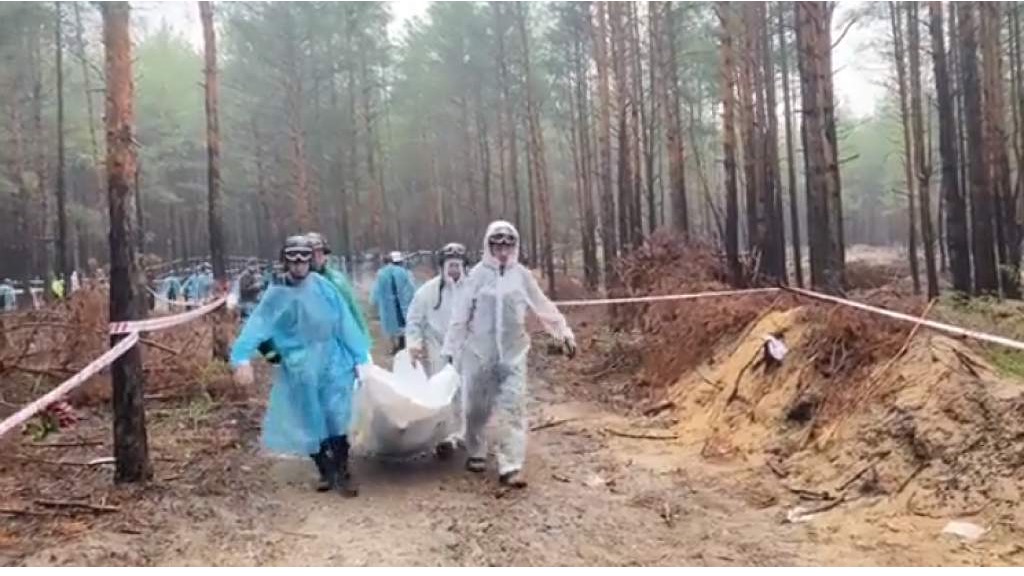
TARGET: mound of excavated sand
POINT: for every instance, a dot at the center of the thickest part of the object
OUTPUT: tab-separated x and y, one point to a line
936	424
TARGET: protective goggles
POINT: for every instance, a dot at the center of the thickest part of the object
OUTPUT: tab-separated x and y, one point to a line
501	239
298	254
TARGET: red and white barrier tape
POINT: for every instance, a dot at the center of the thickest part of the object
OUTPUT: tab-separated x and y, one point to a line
666	298
29	410
164	322
939	326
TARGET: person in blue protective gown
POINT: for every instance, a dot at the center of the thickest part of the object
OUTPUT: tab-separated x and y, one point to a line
320	349
8	297
392	294
321	266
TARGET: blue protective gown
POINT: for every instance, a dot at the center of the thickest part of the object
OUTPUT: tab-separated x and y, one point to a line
320	346
170	288
8	298
392	294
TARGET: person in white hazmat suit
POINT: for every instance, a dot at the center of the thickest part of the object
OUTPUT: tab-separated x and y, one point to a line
429	316
488	335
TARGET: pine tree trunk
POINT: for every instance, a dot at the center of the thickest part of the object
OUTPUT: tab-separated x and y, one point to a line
985	277
794	218
896	19
127	292
608	232
215	205
776	229
955	207
920	145
625	173
824	208
998	161
673	124
727	72
63	264
591	270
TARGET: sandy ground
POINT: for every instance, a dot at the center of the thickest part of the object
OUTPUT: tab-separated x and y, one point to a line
595	498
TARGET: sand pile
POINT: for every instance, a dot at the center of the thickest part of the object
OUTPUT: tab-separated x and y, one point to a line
859	413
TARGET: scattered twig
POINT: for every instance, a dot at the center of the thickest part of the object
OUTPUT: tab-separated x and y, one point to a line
911	477
160	346
49	462
809	494
98	508
641	436
560	477
860	473
24	512
67	444
775	469
551	424
291	533
660	407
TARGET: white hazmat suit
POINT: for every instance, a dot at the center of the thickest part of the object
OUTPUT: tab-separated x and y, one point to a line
430	314
488	334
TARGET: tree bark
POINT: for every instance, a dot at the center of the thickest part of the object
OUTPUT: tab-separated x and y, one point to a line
539	156
63	264
794	218
920	145
215	204
727	72
955	207
673	125
608	232
985	278
909	157
127	292
998	161
824	207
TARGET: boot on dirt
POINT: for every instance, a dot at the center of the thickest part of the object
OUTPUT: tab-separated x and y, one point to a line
476	465
322	459
445	450
513	479
344	483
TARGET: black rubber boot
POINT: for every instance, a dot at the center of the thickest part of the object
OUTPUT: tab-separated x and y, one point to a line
323	463
344	483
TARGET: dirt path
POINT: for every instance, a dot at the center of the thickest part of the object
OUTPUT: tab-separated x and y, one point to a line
595	498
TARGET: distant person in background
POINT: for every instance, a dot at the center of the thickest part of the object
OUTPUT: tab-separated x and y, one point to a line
250	288
8	297
392	294
320	265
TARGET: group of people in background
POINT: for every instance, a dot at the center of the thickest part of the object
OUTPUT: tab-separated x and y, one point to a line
38	291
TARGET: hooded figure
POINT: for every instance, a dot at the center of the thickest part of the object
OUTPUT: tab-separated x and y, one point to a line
488	335
429	317
320	348
392	294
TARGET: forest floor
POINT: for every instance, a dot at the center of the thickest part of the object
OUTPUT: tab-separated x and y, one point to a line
612	482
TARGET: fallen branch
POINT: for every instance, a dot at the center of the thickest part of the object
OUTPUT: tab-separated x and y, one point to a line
641	436
911	477
658	408
68	444
776	470
856	476
98	508
809	494
160	346
24	512
551	424
290	533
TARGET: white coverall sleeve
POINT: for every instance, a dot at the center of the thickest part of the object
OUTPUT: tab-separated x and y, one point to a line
548	314
458	326
416	325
